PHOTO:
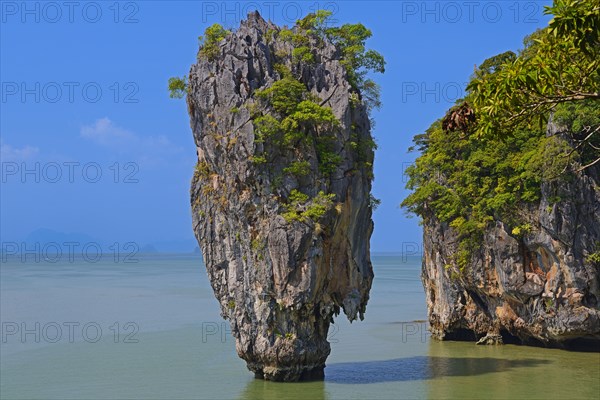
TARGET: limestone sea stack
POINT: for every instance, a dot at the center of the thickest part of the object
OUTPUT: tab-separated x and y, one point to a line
281	194
539	289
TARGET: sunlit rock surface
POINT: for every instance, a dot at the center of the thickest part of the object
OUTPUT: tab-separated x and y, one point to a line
279	283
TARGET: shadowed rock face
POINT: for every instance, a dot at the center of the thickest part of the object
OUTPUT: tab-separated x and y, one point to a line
539	289
279	283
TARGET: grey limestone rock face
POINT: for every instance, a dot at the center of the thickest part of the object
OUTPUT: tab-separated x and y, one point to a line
539	288
278	282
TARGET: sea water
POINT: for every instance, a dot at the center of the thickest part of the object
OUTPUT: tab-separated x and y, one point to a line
150	328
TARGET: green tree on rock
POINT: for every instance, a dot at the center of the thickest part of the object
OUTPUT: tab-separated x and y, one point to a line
486	159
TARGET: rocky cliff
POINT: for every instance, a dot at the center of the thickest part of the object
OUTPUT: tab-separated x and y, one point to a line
538	288
281	206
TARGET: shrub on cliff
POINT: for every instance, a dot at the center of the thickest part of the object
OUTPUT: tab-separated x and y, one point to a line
209	43
208	48
488	157
350	40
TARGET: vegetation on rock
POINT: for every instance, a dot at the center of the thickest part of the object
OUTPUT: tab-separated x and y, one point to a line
209	48
298	120
293	120
299	208
486	160
298	113
177	87
560	64
209	42
350	40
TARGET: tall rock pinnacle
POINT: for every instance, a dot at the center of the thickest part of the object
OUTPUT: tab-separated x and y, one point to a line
281	194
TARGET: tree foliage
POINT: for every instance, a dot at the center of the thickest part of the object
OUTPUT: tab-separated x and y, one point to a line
315	21
209	48
467	181
284	95
580	122
209	42
560	64
300	208
486	159
350	40
297	119
177	87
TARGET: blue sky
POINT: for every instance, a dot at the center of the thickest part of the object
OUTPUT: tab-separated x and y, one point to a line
92	145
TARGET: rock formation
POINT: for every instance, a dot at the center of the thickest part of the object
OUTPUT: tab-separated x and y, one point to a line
539	289
285	242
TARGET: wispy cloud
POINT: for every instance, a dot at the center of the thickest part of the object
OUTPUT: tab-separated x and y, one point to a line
105	133
146	149
11	153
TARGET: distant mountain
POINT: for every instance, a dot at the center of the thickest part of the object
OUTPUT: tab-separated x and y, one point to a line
45	235
148	249
174	246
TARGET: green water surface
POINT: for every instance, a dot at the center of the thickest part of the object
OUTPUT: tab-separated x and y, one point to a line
182	350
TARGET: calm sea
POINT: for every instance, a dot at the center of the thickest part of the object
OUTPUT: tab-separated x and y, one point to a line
151	329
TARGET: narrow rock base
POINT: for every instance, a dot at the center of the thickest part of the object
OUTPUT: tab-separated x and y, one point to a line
300	373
